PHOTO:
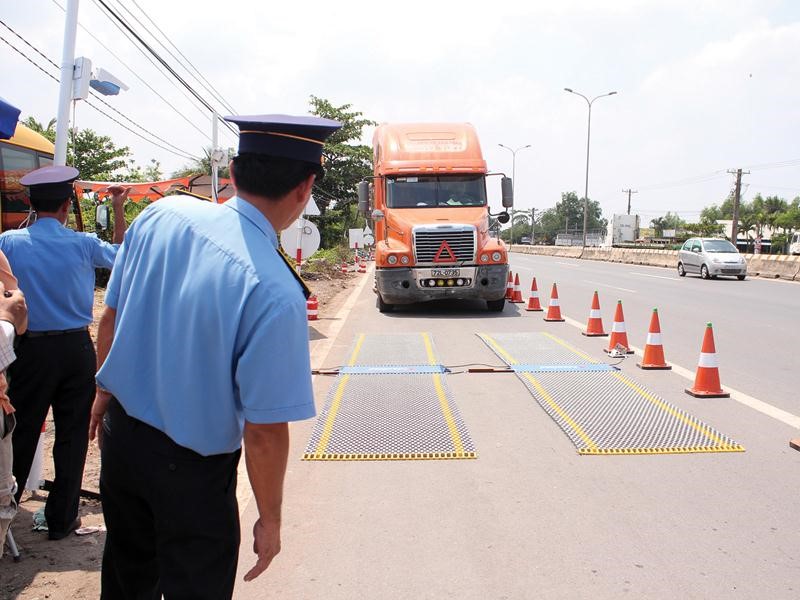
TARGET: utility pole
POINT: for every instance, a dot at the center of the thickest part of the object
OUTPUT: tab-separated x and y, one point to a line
736	197
629	192
533	225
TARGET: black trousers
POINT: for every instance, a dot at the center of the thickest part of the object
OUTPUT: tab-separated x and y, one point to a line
58	372
171	515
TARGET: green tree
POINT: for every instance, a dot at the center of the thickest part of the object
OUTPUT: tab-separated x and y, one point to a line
202	166
567	215
95	156
49	132
134	173
668	221
347	162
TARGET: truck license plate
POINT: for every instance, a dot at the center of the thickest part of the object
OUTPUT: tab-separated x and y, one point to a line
445	272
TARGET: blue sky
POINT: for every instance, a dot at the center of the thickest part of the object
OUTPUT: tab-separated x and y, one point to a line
703	86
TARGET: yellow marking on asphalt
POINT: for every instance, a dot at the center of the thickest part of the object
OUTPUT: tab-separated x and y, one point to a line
570	348
706	431
428	348
448	415
337	400
561	412
443	403
543	392
509	359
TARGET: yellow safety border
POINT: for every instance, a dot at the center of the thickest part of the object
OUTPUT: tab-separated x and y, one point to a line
591	447
320	452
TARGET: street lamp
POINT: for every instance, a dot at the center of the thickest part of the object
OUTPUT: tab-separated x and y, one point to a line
588	137
513	177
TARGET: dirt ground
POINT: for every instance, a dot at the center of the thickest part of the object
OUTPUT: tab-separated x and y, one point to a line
70	568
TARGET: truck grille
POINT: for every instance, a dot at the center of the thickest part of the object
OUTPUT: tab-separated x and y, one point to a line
460	239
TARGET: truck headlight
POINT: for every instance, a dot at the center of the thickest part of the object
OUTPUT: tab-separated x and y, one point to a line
496	256
404	260
391	259
484	258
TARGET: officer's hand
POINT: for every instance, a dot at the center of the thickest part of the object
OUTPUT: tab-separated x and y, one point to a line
119	194
99	407
13	309
267	544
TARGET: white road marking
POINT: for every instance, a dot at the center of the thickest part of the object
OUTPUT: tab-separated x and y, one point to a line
319	356
656	276
613	287
574	265
758	405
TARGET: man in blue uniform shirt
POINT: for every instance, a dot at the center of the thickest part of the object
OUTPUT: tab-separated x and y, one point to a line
204	344
54	266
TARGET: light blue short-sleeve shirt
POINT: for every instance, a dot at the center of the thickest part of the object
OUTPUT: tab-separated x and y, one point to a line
54	267
211	327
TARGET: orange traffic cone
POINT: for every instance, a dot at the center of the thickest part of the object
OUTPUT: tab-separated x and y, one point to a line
362	266
516	295
345	268
706	380
533	301
619	337
312	308
594	326
510	287
653	350
553	309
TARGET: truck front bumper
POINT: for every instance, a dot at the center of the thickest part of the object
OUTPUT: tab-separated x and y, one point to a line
399	286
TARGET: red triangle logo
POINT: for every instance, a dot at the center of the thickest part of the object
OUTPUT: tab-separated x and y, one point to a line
445	254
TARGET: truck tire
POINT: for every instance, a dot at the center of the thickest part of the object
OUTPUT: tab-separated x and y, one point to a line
496	305
383	307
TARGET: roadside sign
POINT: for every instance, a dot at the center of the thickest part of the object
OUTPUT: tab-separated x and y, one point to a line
356	238
312	210
368	239
301	235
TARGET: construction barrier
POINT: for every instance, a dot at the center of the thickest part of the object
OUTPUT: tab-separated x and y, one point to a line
312	308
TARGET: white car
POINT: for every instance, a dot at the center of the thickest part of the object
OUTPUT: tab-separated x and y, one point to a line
710	257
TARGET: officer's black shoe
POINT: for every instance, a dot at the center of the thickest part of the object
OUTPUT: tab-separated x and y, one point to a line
60	535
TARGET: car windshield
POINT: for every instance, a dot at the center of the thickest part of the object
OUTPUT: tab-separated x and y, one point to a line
719	246
431	191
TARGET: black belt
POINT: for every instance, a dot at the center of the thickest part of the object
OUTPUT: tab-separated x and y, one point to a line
35	334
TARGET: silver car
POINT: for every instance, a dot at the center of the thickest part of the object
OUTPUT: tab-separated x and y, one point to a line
711	257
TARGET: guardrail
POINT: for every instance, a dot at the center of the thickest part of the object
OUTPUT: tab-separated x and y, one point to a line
772	266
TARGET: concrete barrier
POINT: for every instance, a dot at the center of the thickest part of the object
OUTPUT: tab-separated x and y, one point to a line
771	266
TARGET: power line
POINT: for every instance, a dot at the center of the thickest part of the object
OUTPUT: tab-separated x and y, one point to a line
158	57
688	181
135	74
177	151
210	89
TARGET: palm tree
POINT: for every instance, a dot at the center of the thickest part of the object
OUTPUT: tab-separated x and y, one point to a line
49	132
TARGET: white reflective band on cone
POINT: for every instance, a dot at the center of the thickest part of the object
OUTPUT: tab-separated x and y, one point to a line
707	360
553	301
654	339
618	327
594	314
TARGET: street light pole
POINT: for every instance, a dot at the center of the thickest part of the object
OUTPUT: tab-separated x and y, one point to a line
588	139
513	177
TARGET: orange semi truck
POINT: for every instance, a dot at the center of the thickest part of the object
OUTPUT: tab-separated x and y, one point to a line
430	212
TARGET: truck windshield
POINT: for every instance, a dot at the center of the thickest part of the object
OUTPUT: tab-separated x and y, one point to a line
431	191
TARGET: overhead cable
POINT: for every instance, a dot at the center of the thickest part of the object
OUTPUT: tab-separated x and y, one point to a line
177	151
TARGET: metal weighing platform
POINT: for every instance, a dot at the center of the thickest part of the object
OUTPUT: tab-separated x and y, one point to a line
390	402
601	410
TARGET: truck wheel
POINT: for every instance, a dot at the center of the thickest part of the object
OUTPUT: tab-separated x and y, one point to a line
496	305
383	307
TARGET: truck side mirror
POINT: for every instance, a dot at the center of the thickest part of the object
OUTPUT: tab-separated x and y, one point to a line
101	217
363	197
507	187
503	217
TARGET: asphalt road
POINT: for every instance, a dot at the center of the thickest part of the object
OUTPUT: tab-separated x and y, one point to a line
530	518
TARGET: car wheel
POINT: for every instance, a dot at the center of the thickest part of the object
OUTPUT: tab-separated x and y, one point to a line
383	307
681	270
741	277
704	273
496	305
